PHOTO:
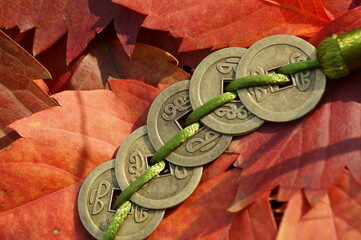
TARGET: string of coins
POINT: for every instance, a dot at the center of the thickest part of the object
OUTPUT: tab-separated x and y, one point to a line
233	91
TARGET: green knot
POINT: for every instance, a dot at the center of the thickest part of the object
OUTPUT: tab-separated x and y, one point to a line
330	57
339	54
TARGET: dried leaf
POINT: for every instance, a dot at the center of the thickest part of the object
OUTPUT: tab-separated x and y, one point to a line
59	151
52	217
19	95
350	20
81	20
204	215
334	217
337	8
109	61
302	154
217	24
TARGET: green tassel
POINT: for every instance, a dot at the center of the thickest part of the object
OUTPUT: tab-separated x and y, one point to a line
339	54
332	62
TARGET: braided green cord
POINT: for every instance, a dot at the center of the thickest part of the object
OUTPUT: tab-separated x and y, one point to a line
248	81
299	66
173	143
210	106
145	177
257	80
117	221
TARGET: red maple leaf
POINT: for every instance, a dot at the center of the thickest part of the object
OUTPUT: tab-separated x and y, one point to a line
108	60
81	20
20	96
217	24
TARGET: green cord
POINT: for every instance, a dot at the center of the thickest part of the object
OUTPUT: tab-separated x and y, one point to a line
145	177
174	142
230	95
117	221
210	106
257	80
299	66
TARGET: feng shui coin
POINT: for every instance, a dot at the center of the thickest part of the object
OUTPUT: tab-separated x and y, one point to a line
166	116
172	186
208	81
96	197
279	103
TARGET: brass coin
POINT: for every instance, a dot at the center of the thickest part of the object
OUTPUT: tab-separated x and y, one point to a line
165	117
279	103
208	81
94	206
168	189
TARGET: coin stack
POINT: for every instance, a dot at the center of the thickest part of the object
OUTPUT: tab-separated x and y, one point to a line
166	117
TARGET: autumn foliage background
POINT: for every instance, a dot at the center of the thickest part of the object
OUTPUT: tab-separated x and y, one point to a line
109	60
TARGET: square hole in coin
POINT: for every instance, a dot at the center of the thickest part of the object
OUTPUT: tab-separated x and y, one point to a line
225	82
167	171
113	197
182	119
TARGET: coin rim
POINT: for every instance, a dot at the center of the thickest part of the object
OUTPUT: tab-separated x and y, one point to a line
308	105
86	220
139	199
195	92
157	141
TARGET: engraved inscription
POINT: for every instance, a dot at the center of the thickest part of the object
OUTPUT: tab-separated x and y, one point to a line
230	111
180	172
303	80
137	165
179	104
228	66
296	57
258	93
202	145
140	214
300	80
96	195
257	70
